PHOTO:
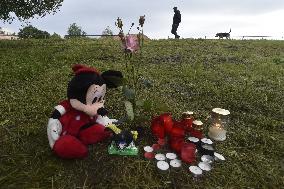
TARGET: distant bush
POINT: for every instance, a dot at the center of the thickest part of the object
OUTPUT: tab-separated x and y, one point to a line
32	32
75	31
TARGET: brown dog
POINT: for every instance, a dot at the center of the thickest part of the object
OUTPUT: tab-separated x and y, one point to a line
221	35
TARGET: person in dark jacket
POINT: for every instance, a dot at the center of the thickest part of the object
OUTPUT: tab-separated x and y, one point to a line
176	21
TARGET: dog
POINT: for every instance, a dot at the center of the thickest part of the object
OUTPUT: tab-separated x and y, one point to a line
221	35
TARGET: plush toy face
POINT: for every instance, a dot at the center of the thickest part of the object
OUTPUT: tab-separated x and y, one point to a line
96	95
95	98
86	90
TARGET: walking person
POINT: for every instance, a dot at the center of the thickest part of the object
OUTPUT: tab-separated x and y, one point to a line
176	21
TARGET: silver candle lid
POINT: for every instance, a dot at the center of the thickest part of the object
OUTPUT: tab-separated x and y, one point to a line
204	166
195	170
218	157
207	147
207	159
197	122
171	155
162	165
221	111
188	113
175	163
206	141
148	149
160	157
193	139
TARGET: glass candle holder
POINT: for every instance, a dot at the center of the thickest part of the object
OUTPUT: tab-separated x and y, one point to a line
187	115
188	152
197	125
187	119
218	127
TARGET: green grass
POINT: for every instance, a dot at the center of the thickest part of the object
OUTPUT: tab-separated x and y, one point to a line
245	77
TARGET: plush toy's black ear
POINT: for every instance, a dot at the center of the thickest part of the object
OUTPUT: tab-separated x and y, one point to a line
112	78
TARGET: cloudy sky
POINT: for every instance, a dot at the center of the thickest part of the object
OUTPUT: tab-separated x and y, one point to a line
199	17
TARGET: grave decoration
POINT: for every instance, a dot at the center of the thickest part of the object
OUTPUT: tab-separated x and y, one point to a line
183	141
217	130
81	119
122	141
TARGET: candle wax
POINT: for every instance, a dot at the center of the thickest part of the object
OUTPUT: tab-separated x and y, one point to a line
217	133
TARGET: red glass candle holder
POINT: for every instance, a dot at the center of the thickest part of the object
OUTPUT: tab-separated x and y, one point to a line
157	128
187	122
188	152
176	144
167	121
196	133
178	124
177	132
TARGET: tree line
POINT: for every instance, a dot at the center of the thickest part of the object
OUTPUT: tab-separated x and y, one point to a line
73	31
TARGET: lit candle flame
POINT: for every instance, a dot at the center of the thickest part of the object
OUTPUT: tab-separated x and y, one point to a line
218	125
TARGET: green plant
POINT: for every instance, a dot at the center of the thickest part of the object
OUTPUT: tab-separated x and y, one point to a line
133	58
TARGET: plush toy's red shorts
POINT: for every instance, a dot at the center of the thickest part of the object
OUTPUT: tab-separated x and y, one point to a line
70	147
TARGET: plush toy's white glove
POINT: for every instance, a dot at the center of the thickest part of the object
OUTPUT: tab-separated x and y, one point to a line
54	129
105	121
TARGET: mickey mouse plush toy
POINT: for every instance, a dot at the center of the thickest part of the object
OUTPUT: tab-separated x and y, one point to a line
81	120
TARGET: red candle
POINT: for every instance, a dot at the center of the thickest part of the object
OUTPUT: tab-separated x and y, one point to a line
157	128
188	152
161	141
176	144
167	121
196	133
156	147
187	122
149	155
178	124
177	132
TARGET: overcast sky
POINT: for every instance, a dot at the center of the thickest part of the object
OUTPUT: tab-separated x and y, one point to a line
199	17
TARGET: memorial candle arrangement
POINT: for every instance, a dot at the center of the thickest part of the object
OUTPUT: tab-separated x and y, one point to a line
183	141
218	128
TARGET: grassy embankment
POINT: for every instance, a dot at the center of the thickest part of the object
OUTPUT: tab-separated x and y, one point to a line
245	77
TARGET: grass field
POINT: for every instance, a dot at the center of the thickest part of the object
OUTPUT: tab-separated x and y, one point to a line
245	77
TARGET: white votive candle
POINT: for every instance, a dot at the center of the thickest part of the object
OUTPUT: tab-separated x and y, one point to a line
207	159
162	165
196	171
175	163
171	155
218	157
204	166
148	149
206	141
160	157
193	139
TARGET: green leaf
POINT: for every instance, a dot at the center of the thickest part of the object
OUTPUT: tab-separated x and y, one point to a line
129	110
128	93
